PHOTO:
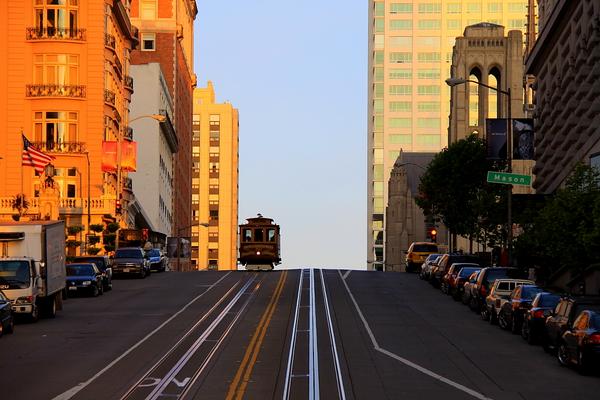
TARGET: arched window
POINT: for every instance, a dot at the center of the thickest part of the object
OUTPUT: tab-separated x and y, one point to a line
474	76
493	103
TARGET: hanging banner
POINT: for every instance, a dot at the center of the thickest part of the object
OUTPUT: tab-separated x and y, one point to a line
522	139
128	156
109	156
495	134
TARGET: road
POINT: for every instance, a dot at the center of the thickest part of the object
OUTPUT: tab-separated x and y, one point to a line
295	334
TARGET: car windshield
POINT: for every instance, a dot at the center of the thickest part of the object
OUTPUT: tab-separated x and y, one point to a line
591	307
494	274
14	274
128	253
467	271
425	248
595	321
99	261
432	257
529	292
80	270
549	300
154	253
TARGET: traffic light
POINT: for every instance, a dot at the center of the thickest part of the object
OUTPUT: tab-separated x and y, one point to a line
118	206
145	233
432	233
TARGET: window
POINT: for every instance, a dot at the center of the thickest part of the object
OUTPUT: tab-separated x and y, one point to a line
378	156
148	41
57	69
428	123
453	8
516	23
378	188
148	9
429	74
399	24
379	41
393	154
396	73
429	24
379	9
378	74
54	130
70	190
57	17
379	25
495	8
400	57
428	41
378	122
401	41
473	8
400	139
378	204
378	56
430	8
400	106
428	90
428	106
378	172
399	90
400	122
378	105
401	8
271	235
453	24
428	57
519	8
378	90
428	140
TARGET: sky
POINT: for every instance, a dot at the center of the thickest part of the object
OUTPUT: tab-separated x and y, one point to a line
297	72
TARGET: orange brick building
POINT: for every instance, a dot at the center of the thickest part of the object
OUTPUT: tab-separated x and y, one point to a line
65	85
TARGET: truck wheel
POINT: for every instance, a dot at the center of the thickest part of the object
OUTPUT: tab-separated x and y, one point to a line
50	307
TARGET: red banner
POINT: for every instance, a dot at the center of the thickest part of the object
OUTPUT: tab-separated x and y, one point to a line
128	156
109	156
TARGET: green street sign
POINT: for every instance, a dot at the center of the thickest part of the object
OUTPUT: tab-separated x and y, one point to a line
508	179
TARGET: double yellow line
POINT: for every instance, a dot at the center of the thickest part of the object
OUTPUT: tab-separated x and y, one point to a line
242	376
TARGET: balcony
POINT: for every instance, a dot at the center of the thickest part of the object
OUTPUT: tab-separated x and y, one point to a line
128	82
55	34
128	184
52	90
68	205
118	65
110	97
128	134
110	42
60	147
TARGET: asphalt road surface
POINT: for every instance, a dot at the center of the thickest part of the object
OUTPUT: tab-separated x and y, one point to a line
296	334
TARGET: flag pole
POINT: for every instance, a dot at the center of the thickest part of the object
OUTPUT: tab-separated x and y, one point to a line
22	174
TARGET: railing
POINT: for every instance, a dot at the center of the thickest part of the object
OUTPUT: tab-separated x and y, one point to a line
66	206
61	147
110	97
55	34
128	82
118	65
109	41
128	134
52	90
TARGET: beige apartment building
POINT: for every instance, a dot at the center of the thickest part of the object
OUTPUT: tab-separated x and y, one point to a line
214	182
410	54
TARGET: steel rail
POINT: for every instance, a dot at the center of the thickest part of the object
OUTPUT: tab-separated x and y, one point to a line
313	357
294	336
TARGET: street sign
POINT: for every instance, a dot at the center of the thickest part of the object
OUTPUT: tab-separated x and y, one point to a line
508	179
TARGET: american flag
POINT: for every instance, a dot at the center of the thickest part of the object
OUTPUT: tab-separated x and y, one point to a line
32	157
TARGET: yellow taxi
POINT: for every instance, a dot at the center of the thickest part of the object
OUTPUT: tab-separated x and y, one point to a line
417	253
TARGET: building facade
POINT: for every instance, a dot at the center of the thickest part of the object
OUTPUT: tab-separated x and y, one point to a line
65	85
166	37
564	61
152	183
410	51
214	182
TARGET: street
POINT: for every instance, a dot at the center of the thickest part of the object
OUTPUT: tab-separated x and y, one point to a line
292	334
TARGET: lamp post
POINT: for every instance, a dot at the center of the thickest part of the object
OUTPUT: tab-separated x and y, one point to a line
459	81
179	230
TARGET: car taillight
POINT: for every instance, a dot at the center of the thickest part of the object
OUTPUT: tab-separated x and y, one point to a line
594	338
538	314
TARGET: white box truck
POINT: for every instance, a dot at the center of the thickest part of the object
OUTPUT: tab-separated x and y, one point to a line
32	266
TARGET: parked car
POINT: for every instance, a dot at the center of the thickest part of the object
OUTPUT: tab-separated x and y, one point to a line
534	319
131	260
458	283
417	253
469	287
485	279
448	281
512	313
84	277
7	322
580	344
427	265
567	309
499	294
443	265
157	260
103	263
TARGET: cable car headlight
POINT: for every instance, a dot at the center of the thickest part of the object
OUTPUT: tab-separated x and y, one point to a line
258	253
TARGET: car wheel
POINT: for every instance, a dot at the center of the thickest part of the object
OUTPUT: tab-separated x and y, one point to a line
95	291
485	314
11	326
142	273
514	326
100	289
562	355
502	322
493	317
526	332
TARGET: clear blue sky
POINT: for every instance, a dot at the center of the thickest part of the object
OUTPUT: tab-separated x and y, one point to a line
296	70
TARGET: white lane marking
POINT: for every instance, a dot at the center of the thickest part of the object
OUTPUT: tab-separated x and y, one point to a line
338	369
346	274
75	389
288	374
408	362
313	356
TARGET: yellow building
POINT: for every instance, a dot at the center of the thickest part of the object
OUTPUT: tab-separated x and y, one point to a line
65	85
214	182
410	53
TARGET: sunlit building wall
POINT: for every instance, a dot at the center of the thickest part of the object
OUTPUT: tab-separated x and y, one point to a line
214	182
410	53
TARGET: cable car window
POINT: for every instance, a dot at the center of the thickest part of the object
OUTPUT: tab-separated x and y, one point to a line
258	235
271	235
247	235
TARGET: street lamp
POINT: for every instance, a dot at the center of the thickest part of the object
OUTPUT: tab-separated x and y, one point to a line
459	81
179	230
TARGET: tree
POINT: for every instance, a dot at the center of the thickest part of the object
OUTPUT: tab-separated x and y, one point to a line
454	189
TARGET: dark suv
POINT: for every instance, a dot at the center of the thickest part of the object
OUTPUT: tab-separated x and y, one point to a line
104	265
563	317
131	260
